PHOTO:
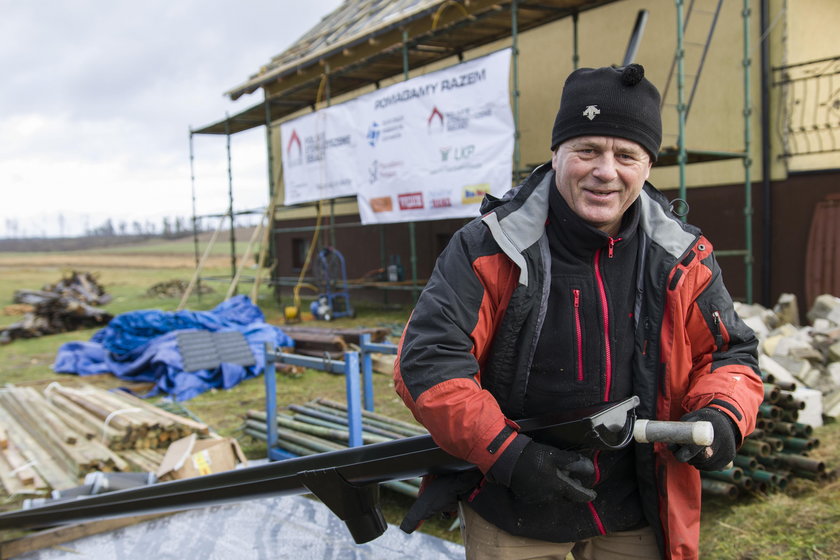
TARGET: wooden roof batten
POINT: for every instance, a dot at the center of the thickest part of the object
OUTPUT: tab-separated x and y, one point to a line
361	44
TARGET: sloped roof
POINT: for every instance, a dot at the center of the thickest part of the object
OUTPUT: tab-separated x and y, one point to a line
361	43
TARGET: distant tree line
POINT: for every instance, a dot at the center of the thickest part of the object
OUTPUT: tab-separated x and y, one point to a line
167	228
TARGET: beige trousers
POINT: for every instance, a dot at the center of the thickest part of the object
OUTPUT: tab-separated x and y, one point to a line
485	541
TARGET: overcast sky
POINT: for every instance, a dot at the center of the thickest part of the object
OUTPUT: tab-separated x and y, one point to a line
98	97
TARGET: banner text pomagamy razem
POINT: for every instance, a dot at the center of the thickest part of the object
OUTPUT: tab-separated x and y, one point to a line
428	148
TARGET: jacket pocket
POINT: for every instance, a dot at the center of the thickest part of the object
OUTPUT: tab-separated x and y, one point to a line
719	332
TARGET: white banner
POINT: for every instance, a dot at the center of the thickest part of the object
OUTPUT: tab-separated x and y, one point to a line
425	149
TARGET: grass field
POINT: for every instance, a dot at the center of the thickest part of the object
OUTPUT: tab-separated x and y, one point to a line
803	522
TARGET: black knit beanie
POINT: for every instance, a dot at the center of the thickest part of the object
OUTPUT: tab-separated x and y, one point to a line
609	101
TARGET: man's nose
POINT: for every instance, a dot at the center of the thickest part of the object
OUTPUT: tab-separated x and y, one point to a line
605	168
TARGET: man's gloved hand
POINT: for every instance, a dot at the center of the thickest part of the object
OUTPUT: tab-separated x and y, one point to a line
543	473
439	494
723	448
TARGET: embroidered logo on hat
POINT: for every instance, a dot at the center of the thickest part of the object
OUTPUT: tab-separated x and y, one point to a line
591	111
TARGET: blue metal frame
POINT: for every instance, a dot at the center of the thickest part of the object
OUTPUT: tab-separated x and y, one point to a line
365	349
349	368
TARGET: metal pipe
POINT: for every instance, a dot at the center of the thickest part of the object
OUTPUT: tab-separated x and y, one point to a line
370	422
412	229
755	448
194	215
735	474
680	56
230	201
766	154
272	187
719	488
514	35
393	422
800	462
748	208
799	444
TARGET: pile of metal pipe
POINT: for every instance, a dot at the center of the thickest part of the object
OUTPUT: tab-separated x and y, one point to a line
776	452
321	425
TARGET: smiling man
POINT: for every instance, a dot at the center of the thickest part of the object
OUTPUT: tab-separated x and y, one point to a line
579	287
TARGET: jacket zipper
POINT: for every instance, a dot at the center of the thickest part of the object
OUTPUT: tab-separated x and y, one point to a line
720	340
602	293
578	335
611	246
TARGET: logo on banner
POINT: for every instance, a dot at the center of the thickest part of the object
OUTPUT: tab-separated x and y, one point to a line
457	154
294	149
459	120
440	199
474	194
410	201
381	204
373	134
435	121
373	172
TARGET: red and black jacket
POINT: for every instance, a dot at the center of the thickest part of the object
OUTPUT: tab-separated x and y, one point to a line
467	351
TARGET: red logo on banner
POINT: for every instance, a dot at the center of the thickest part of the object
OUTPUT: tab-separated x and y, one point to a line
436	114
410	201
294	139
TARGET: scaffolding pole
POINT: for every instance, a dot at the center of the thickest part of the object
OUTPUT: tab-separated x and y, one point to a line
230	201
194	214
412	229
748	209
514	34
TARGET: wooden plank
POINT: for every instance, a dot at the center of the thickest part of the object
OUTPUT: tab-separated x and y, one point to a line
54	474
10	482
20	466
28	429
59	535
188	423
38	405
85	417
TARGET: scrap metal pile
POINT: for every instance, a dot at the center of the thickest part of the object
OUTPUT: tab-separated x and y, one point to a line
68	305
50	440
800	367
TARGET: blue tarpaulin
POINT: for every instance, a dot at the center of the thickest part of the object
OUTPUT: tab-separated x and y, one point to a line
140	346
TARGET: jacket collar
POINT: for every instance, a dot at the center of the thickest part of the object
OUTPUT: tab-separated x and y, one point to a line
577	235
517	220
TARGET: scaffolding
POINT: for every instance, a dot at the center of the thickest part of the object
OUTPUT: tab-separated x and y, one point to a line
306	73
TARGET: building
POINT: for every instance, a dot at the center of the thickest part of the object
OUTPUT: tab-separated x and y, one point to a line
757	89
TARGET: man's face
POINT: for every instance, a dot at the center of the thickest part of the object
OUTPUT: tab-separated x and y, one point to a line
599	177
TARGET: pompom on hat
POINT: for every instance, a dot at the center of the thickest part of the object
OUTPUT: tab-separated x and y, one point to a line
610	101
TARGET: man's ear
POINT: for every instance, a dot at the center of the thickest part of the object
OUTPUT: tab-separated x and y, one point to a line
554	158
649	167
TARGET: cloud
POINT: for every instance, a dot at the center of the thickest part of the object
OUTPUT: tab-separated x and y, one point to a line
99	97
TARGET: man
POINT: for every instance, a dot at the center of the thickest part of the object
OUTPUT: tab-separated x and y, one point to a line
580	287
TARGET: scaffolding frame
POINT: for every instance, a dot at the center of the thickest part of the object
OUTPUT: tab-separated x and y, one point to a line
681	157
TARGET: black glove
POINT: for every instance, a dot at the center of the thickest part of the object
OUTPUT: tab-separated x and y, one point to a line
544	473
440	494
723	448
